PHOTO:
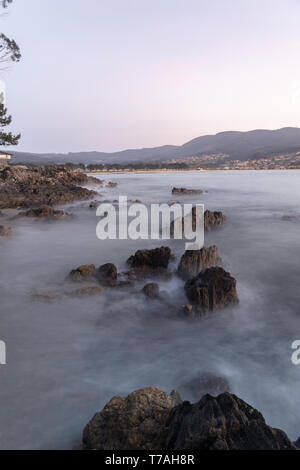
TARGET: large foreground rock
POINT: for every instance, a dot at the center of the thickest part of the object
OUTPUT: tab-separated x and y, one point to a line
195	261
211	290
34	187
146	263
150	419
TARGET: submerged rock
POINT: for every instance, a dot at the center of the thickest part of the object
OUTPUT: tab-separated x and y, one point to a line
195	261
151	290
5	232
211	290
150	419
44	212
183	191
155	262
83	273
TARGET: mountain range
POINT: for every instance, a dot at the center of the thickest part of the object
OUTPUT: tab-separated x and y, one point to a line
237	145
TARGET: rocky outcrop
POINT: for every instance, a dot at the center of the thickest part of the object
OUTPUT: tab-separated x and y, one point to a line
38	186
112	185
44	212
151	290
136	422
195	261
184	191
206	383
108	275
212	221
83	273
150	419
211	290
146	263
5	232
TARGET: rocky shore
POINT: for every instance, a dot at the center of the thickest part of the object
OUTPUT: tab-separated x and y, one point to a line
22	187
150	419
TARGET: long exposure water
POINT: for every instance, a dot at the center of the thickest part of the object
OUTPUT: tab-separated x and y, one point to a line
67	358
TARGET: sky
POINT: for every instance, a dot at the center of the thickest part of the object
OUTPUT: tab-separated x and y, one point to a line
113	74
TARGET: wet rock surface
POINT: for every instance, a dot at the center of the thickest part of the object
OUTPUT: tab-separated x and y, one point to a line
108	275
85	272
184	191
146	263
195	261
151	290
150	419
211	290
22	187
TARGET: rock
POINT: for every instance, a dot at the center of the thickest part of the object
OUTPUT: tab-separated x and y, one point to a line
43	185
151	290
44	212
150	419
212	221
94	204
205	383
195	261
184	191
83	273
297	443
108	275
147	263
211	290
5	232
131	423
112	185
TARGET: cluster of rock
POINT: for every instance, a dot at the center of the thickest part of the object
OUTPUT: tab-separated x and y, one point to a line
146	263
150	419
44	212
184	191
34	187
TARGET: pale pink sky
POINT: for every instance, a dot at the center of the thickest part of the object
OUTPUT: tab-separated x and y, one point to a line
114	74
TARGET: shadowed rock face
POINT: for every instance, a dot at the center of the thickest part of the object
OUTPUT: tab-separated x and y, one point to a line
34	187
108	275
211	290
151	262
150	419
195	261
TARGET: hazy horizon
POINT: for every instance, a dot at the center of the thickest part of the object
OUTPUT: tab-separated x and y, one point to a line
110	75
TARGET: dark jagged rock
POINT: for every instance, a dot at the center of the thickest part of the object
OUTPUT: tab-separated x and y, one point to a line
131	423
155	262
34	187
150	419
151	290
184	191
195	261
44	212
205	383
108	275
5	232
212	221
83	273
211	290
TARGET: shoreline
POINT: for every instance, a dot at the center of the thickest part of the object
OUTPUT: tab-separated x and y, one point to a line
128	172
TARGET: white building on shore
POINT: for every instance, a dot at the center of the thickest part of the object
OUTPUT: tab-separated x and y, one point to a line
5	158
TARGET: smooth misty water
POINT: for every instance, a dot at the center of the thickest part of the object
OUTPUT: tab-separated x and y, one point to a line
67	358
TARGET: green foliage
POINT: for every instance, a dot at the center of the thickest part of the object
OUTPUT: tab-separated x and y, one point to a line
5	120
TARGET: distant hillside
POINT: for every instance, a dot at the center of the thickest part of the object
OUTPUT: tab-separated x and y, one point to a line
238	145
